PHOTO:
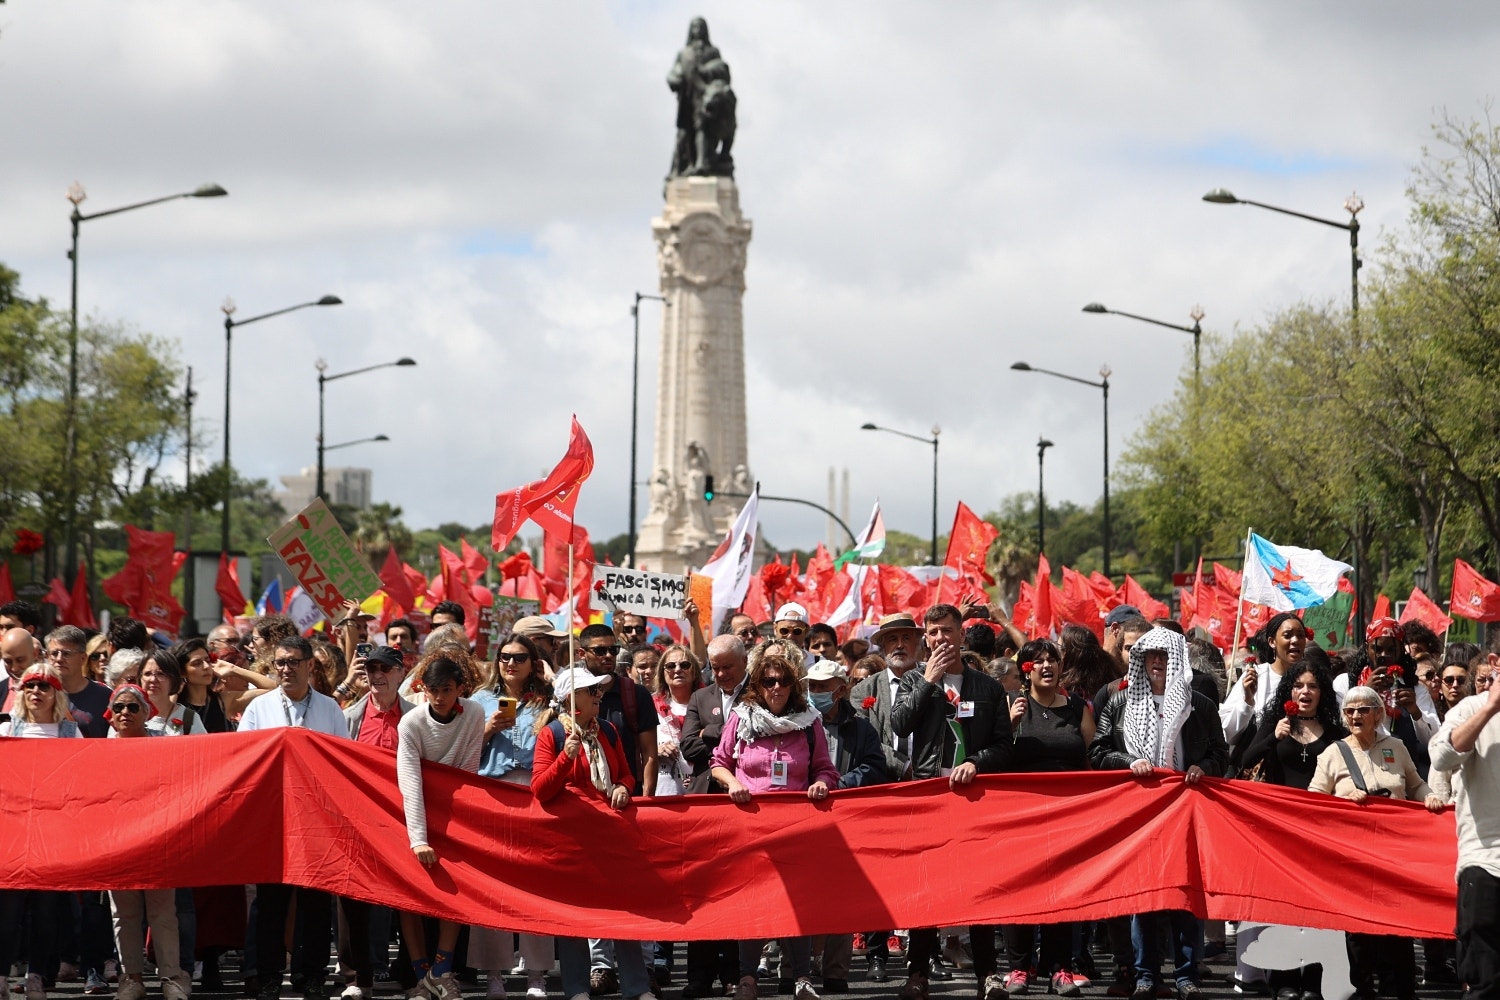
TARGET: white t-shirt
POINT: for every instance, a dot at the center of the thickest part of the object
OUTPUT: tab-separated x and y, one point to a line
672	774
952	685
274	710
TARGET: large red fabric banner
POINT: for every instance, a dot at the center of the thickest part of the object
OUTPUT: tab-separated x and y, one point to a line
313	810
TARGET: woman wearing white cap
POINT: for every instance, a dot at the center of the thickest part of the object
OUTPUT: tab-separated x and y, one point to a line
577	749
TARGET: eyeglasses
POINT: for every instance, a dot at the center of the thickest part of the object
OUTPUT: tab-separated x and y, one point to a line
120	707
748	632
1455	679
1358	710
601	650
776	682
512	657
791	632
59	653
36	686
1483	682
289	664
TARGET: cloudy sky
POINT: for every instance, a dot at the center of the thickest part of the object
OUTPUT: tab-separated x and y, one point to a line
936	190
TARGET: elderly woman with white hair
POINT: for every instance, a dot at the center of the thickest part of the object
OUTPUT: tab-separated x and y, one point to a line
1156	721
1366	764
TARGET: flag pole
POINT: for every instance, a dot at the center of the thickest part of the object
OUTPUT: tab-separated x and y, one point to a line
1239	609
572	652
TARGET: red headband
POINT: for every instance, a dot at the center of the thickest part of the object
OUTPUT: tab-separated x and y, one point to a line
1380	628
40	674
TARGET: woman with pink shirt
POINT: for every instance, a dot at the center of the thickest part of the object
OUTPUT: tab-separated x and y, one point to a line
774	743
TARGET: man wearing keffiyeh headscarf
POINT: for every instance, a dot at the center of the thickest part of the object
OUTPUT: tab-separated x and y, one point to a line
1156	722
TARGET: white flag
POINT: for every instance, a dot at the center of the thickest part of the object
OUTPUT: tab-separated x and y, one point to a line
729	567
1286	577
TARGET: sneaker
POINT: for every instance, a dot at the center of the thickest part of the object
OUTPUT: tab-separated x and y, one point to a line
494	988
1190	991
746	990
417	992
893	945
536	986
763	970
173	989
914	989
1064	985
93	985
994	987
353	992
859	944
442	987
804	990
1144	990
1016	982
314	990
35	989
131	989
603	982
111	970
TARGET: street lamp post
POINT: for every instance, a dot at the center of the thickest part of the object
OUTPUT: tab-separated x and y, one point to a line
1104	374
1042	444
1352	205
190	574
936	430
350	444
324	380
77	195
229	324
1196	330
635	391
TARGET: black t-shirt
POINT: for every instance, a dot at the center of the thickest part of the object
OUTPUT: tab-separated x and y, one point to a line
612	710
88	707
1298	761
1051	739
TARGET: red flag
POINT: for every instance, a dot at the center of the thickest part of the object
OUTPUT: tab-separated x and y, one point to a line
456	589
968	545
1076	603
1227	579
1105	592
227	586
549	502
555	565
1043	617
775	578
755	604
517	566
900	591
144	584
1134	594
58	597
474	561
81	610
1421	608
7	588
417	582
394	582
1473	596
1382	607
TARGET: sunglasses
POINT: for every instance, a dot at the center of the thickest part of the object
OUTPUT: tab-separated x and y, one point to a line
378	667
632	628
791	632
1358	710
121	707
1426	677
677	666
775	682
512	657
1456	679
601	650
36	686
747	633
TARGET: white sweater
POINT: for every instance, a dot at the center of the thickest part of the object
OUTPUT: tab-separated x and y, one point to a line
420	737
1475	785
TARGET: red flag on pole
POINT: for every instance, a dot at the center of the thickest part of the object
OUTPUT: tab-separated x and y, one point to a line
549	502
1473	596
58	597
417	582
456	589
1134	594
144	584
1076	603
394	582
80	608
1043	617
7	587
474	561
227	586
1421	608
968	546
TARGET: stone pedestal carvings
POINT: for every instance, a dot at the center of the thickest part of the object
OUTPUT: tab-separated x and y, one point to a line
701	239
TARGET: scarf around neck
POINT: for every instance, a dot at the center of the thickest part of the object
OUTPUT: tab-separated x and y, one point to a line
752	722
1149	735
594	753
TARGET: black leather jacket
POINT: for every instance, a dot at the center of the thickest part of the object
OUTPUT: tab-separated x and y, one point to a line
921	711
1202	737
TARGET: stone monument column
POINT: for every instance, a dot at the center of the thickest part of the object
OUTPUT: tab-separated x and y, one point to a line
701	239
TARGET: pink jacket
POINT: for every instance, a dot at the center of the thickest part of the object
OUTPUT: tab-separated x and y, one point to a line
753	769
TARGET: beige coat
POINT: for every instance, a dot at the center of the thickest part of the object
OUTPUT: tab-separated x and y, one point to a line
1387	765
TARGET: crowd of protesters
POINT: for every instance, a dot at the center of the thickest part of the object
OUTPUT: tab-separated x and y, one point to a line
764	708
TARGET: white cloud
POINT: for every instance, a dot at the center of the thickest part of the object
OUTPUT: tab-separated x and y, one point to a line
936	192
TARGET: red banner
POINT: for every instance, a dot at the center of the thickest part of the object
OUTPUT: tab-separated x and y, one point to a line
1023	848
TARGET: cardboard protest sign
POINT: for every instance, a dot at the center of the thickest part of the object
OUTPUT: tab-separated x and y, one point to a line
505	613
324	560
650	595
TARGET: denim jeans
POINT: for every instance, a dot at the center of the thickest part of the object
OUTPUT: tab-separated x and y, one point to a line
573	954
1186	935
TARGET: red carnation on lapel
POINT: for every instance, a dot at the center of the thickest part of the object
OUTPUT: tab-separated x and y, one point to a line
868	703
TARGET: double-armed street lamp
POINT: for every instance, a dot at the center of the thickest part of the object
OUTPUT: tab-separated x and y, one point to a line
324	379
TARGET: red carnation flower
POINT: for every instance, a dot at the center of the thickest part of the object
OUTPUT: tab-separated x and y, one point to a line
1249	659
599	587
1124	683
1394	671
868	703
1312	636
1290	707
1027	667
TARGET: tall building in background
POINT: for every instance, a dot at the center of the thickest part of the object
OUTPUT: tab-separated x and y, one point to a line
348	486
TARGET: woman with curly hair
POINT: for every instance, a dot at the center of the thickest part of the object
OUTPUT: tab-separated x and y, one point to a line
775	743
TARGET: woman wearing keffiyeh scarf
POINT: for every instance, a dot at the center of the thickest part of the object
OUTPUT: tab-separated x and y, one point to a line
1158	701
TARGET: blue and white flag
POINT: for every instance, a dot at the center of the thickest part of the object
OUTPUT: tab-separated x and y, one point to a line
270	598
1285	577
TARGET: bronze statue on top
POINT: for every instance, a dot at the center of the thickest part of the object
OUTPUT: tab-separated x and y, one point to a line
705	108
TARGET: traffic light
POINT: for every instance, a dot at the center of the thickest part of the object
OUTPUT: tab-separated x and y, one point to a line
708	489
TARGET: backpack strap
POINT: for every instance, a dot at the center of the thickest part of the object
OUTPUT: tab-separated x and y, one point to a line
1355	774
188	715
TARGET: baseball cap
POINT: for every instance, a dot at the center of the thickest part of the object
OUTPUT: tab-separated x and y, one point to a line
827	670
791	612
572	679
536	625
1119	614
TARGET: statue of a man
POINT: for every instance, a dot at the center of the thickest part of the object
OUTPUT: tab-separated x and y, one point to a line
701	123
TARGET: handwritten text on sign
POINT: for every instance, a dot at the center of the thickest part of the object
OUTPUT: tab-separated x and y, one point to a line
651	595
326	564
